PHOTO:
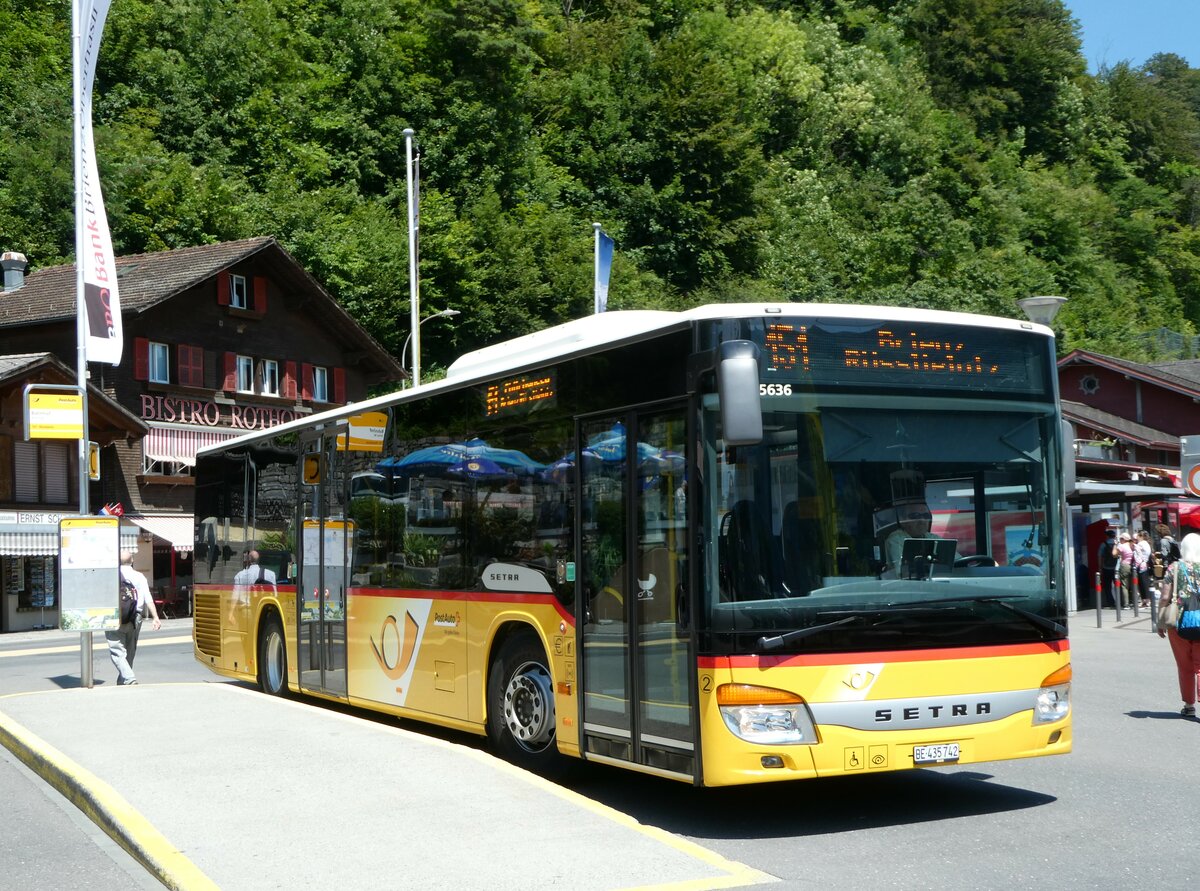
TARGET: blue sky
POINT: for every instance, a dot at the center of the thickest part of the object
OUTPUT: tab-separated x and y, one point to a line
1133	30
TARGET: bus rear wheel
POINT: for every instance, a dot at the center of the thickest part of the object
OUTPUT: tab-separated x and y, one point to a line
521	705
272	659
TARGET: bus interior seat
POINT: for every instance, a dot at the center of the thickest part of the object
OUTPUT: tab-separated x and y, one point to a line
747	556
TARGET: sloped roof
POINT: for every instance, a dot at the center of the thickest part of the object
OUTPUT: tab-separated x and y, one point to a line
1107	422
1182	375
145	280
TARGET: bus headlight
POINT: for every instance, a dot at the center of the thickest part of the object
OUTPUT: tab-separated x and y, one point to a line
765	715
1054	698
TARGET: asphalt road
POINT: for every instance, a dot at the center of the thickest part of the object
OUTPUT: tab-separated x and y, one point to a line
1113	814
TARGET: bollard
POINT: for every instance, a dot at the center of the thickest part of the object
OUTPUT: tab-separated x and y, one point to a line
1099	604
85	659
1154	595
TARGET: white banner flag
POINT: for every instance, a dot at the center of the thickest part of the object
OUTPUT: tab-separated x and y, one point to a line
102	308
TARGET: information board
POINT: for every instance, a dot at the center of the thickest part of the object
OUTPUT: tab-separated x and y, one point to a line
89	572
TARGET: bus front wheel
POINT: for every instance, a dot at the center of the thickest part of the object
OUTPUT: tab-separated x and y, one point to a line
521	705
272	659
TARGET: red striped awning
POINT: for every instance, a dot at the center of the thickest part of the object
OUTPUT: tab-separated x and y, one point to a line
180	444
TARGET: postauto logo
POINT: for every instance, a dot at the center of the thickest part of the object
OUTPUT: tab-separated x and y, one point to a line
396	660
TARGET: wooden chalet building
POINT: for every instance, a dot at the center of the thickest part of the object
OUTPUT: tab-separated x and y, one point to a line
219	340
1128	418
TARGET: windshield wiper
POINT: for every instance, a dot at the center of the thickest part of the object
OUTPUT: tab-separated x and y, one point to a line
1000	600
779	640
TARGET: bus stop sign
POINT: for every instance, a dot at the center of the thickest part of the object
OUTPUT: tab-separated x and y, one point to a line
1189	453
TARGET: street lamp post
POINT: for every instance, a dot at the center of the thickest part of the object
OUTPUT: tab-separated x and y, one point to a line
444	314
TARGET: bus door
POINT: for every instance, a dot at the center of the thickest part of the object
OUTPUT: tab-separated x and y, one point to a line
635	632
326	535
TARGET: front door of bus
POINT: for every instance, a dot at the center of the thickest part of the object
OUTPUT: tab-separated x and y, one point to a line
636	677
326	534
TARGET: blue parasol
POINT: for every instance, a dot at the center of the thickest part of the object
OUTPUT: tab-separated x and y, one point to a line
440	458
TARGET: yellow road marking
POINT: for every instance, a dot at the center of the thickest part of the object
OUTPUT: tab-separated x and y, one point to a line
107	809
97	644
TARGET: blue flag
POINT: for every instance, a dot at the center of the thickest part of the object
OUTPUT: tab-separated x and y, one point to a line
604	255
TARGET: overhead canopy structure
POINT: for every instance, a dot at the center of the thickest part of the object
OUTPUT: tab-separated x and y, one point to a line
174	528
1107	491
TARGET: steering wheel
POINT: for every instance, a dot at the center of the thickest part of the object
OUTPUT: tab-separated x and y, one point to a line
975	560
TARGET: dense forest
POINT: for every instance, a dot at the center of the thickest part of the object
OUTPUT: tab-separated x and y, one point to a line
953	154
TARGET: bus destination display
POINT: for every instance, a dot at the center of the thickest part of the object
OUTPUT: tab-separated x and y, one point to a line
903	354
518	395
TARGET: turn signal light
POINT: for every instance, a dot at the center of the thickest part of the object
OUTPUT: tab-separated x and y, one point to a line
752	694
1062	676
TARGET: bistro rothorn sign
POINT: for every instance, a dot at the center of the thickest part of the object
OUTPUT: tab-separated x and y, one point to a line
172	409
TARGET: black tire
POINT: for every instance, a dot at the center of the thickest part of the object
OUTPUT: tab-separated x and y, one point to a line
520	720
272	658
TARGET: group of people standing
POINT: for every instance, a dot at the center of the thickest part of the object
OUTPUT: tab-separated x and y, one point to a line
1127	562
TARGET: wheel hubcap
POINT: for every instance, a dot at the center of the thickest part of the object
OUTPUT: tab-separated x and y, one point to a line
529	707
275	661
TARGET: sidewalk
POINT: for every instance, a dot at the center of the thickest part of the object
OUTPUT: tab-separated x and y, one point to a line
257	792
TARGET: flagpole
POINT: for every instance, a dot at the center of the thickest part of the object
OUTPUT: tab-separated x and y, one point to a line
86	677
596	270
80	313
413	298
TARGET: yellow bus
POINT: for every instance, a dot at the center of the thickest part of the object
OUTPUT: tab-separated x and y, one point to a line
737	544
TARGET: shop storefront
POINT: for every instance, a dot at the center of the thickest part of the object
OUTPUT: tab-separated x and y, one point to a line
29	568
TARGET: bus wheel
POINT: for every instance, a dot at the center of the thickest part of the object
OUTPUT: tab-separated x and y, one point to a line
521	705
272	659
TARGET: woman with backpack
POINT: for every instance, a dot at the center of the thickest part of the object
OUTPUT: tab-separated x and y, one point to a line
1184	585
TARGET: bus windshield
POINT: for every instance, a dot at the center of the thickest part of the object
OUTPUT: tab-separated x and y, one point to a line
882	522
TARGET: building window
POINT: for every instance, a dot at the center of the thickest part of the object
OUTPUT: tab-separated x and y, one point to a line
237	291
245	374
320	384
160	363
43	472
270	377
31	579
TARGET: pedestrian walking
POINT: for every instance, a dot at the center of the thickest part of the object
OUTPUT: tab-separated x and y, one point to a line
1184	581
122	643
1125	568
1167	545
1106	557
1142	552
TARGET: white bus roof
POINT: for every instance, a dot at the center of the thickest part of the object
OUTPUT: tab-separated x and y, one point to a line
589	334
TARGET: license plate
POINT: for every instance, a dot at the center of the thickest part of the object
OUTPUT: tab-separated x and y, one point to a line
936	754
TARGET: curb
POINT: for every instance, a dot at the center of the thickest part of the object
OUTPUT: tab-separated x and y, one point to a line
104	807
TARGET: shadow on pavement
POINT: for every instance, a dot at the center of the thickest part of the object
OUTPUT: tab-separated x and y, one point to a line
808	807
1162	716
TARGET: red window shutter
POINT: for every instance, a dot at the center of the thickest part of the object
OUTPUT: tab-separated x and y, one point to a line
196	366
183	364
306	381
260	294
141	358
339	385
230	372
289	380
222	288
